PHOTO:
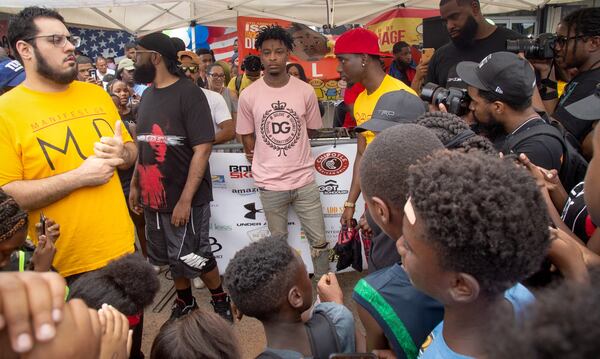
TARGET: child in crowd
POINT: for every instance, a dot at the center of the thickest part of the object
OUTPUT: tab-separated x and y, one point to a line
16	252
128	284
199	335
474	226
267	280
563	323
394	313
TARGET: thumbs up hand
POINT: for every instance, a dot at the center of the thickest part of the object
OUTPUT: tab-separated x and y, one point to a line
111	147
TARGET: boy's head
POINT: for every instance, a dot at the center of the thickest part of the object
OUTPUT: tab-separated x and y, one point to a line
562	323
129	284
274	44
267	278
384	169
474	226
200	334
455	133
13	227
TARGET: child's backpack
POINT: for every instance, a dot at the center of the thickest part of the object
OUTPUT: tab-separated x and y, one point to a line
321	335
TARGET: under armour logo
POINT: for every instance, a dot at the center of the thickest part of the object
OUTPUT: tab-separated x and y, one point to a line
251	207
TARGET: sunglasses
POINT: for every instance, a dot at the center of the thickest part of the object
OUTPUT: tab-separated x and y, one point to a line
191	69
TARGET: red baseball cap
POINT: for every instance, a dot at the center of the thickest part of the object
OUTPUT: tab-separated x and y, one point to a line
358	41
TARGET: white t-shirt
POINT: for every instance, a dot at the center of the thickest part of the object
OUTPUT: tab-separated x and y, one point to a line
218	108
108	72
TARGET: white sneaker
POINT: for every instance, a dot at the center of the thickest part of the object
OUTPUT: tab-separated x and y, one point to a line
198	283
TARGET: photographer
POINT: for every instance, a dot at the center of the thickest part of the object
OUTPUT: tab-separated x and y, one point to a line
472	39
84	67
578	46
501	89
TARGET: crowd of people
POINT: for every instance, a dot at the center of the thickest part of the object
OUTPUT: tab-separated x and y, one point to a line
483	223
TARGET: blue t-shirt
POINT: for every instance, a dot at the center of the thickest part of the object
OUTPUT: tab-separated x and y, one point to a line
436	348
406	315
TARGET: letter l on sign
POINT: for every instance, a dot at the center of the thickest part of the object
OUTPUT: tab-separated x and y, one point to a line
315	73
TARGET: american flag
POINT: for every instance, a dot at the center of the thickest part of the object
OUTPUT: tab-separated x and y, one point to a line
223	45
105	43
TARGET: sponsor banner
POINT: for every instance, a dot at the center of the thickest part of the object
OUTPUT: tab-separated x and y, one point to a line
237	217
400	25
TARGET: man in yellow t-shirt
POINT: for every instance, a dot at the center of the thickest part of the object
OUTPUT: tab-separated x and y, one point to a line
60	143
252	68
359	58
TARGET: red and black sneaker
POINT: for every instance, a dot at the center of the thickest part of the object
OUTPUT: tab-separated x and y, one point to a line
222	306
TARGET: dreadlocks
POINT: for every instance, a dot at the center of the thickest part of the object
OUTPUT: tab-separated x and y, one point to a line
12	217
583	22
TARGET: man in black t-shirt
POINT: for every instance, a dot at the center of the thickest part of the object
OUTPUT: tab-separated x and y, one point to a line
501	88
472	39
172	180
578	45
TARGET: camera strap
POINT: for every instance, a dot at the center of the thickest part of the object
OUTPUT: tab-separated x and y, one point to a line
458	139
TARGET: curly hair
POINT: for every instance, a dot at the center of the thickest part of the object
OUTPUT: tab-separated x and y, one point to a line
12	217
447	126
562	323
485	216
383	171
200	334
129	284
274	32
260	275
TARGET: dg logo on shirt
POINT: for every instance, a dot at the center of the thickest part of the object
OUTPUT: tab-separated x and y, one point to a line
280	128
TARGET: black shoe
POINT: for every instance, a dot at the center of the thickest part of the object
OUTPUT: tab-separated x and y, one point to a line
222	306
179	309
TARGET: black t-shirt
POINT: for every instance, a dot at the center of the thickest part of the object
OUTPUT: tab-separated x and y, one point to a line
170	122
126	175
383	252
575	215
442	67
583	85
542	150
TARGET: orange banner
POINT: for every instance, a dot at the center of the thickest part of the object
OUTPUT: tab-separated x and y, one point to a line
400	25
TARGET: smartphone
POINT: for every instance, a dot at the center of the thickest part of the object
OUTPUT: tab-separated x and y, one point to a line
92	73
352	356
43	222
427	54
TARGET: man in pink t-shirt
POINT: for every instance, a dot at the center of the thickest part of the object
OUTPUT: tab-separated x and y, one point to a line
275	114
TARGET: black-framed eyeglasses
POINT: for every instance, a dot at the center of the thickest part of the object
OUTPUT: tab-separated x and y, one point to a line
59	40
217	76
191	69
139	52
562	40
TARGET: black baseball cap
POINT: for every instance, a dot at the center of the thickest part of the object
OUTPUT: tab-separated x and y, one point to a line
161	43
394	108
588	108
505	74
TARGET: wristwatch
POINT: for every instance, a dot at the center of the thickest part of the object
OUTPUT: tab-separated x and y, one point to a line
349	204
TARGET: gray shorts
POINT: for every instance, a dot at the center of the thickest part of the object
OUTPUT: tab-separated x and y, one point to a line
185	249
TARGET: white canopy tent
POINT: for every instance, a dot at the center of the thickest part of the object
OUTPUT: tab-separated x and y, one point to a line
142	16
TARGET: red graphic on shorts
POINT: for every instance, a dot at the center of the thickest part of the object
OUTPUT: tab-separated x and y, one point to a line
150	176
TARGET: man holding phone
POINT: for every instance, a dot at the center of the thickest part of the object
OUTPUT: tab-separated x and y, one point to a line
86	71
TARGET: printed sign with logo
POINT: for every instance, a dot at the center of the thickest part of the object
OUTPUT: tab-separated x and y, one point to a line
332	163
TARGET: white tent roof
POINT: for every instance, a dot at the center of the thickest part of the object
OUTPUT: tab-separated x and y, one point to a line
141	16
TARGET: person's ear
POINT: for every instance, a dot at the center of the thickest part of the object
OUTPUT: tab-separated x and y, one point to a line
594	43
498	108
381	210
295	297
24	49
464	288
364	58
476	8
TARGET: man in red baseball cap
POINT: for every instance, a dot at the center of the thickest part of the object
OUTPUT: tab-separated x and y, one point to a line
360	59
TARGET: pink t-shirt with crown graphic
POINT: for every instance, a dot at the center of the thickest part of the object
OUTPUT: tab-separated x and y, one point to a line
280	118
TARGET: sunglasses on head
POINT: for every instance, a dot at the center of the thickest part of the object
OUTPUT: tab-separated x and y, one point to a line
191	69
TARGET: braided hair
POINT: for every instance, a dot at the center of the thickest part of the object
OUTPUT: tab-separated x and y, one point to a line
447	126
585	22
12	217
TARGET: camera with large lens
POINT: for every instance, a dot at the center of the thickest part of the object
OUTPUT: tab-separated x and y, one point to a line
540	48
455	99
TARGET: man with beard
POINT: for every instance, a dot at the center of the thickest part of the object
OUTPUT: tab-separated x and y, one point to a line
501	88
60	143
172	180
274	119
473	38
402	67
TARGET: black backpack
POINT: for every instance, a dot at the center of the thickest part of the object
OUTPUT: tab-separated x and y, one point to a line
321	335
573	167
